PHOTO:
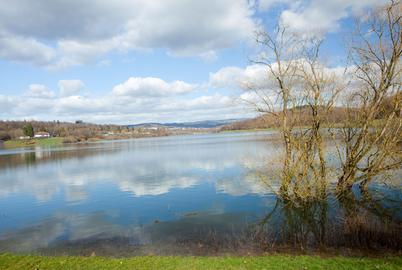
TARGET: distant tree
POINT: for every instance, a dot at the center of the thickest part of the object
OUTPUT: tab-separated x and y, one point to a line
28	130
4	136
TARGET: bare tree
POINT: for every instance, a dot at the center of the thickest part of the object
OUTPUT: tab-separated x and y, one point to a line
280	57
302	94
373	146
320	90
300	90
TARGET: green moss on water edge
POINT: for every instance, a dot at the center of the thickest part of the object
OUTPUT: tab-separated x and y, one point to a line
9	261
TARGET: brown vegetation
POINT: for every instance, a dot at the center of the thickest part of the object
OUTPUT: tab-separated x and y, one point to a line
336	115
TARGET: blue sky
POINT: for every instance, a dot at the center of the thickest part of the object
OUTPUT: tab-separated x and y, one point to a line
138	61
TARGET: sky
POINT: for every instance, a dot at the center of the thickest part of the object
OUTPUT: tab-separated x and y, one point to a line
136	61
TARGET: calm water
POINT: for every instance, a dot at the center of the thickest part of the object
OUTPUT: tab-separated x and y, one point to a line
130	194
199	194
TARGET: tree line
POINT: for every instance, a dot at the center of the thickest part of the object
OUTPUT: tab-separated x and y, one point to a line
83	131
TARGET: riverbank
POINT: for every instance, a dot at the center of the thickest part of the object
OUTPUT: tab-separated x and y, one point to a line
54	141
58	141
8	261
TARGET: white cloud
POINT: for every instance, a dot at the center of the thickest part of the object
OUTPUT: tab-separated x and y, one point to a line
28	107
319	17
59	34
70	87
255	76
151	99
22	49
188	28
138	99
151	87
210	102
82	31
76	105
265	5
39	91
226	77
256	86
6	104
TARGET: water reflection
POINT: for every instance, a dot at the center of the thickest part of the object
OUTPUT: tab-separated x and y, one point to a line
111	189
178	195
142	169
357	221
86	233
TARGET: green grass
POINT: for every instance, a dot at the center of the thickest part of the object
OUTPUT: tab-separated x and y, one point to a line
54	141
8	261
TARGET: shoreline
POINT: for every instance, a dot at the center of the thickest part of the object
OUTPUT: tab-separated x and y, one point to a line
59	141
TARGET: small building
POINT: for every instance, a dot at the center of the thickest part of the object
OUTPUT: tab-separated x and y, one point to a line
110	133
24	137
42	134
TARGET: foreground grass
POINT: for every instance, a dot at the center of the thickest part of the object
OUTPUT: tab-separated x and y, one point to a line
8	261
54	141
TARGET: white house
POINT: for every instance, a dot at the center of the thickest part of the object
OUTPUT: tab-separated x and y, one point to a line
42	134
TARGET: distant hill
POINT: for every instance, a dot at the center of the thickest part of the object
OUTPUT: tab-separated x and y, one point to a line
301	116
196	124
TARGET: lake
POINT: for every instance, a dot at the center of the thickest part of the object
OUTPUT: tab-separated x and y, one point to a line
189	194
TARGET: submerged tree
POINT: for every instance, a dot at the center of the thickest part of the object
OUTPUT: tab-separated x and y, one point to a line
282	70
373	146
302	93
300	90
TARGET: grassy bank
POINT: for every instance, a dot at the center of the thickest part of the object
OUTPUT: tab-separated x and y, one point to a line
8	261
34	142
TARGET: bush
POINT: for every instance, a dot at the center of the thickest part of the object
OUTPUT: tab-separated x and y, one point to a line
70	139
4	136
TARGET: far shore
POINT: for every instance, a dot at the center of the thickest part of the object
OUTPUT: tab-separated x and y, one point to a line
58	141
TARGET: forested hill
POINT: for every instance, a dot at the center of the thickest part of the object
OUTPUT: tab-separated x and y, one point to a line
195	124
302	116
